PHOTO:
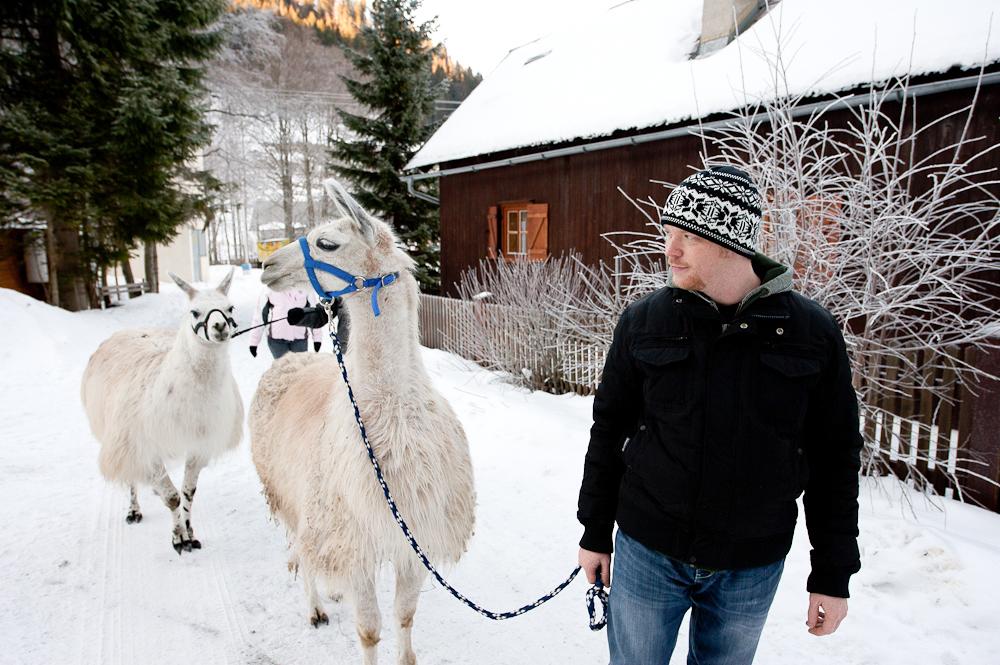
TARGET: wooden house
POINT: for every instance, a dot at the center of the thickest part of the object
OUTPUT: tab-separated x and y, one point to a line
534	162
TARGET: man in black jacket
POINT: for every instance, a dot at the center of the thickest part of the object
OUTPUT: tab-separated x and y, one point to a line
724	396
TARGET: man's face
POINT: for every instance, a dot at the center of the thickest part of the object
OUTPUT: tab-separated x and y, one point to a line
693	260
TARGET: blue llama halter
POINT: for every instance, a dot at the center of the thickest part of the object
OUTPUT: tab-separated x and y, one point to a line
353	283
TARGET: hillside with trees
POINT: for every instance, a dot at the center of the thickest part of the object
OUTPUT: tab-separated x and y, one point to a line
284	91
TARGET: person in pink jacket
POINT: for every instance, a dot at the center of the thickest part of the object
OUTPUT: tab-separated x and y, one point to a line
283	337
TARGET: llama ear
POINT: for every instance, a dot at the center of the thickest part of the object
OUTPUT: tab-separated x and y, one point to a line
226	282
185	287
348	206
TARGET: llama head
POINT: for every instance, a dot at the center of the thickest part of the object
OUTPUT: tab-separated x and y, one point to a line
352	239
210	315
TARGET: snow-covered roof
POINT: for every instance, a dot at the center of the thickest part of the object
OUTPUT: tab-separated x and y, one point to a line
629	67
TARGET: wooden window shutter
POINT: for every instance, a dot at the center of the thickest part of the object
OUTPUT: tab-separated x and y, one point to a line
491	233
538	231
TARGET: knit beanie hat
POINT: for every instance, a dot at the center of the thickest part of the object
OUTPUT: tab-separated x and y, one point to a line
720	204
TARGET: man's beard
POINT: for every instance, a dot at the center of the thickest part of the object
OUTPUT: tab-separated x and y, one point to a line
691	282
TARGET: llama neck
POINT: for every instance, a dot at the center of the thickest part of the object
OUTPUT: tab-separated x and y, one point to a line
206	364
384	351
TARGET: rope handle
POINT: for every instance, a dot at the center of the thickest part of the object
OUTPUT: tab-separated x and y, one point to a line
596	591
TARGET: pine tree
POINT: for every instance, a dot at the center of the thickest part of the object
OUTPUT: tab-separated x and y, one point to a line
100	116
393	61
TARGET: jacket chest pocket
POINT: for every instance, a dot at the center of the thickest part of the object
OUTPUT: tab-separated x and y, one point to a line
666	373
785	381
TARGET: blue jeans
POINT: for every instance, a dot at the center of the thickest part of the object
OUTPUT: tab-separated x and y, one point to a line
650	593
280	347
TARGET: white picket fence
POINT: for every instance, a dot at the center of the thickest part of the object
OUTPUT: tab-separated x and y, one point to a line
495	337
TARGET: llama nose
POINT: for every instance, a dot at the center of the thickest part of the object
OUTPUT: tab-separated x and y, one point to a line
219	327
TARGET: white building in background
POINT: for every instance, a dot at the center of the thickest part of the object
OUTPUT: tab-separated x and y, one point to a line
186	256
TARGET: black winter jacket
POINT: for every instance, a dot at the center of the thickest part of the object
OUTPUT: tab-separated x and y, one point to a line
706	433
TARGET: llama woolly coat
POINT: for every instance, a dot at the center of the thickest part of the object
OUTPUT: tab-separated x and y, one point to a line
147	402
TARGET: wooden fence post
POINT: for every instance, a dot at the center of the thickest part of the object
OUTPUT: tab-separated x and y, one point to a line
980	418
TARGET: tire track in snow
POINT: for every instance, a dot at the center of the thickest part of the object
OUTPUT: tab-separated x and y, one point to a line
237	635
104	618
117	629
135	587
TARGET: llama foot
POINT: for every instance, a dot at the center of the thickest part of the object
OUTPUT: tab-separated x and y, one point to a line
180	543
318	617
133	517
187	545
188	541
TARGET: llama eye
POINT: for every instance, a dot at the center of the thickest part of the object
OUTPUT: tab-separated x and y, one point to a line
231	308
195	313
326	245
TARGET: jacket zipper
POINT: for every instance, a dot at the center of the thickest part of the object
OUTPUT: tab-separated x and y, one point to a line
709	349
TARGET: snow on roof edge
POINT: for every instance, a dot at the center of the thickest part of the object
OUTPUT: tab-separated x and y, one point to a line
411	165
562	113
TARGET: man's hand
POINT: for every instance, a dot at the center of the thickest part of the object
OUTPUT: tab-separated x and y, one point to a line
594	563
825	613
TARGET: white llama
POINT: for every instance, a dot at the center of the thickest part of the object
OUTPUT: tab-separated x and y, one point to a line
153	396
316	474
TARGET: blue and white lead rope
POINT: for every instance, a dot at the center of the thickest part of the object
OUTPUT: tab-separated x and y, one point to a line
596	591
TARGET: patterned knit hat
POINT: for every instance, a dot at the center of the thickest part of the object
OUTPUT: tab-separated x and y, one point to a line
721	205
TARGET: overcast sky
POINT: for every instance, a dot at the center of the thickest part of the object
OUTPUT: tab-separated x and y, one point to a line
479	33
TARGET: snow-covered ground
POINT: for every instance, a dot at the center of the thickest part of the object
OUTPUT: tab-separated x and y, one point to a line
78	585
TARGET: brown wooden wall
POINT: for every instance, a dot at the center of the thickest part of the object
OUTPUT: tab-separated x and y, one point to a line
12	271
581	192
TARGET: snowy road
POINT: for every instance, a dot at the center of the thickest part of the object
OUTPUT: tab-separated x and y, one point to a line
80	586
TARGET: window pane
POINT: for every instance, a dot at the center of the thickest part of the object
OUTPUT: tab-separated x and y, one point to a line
524	231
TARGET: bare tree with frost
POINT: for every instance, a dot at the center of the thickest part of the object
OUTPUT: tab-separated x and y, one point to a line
901	247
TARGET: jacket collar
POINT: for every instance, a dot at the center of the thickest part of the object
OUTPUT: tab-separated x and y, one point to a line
774	277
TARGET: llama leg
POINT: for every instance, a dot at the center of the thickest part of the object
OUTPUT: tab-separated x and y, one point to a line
164	488
409	578
367	617
314	606
134	514
192	468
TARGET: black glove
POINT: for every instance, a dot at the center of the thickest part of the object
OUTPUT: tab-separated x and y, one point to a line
316	346
253	351
309	317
